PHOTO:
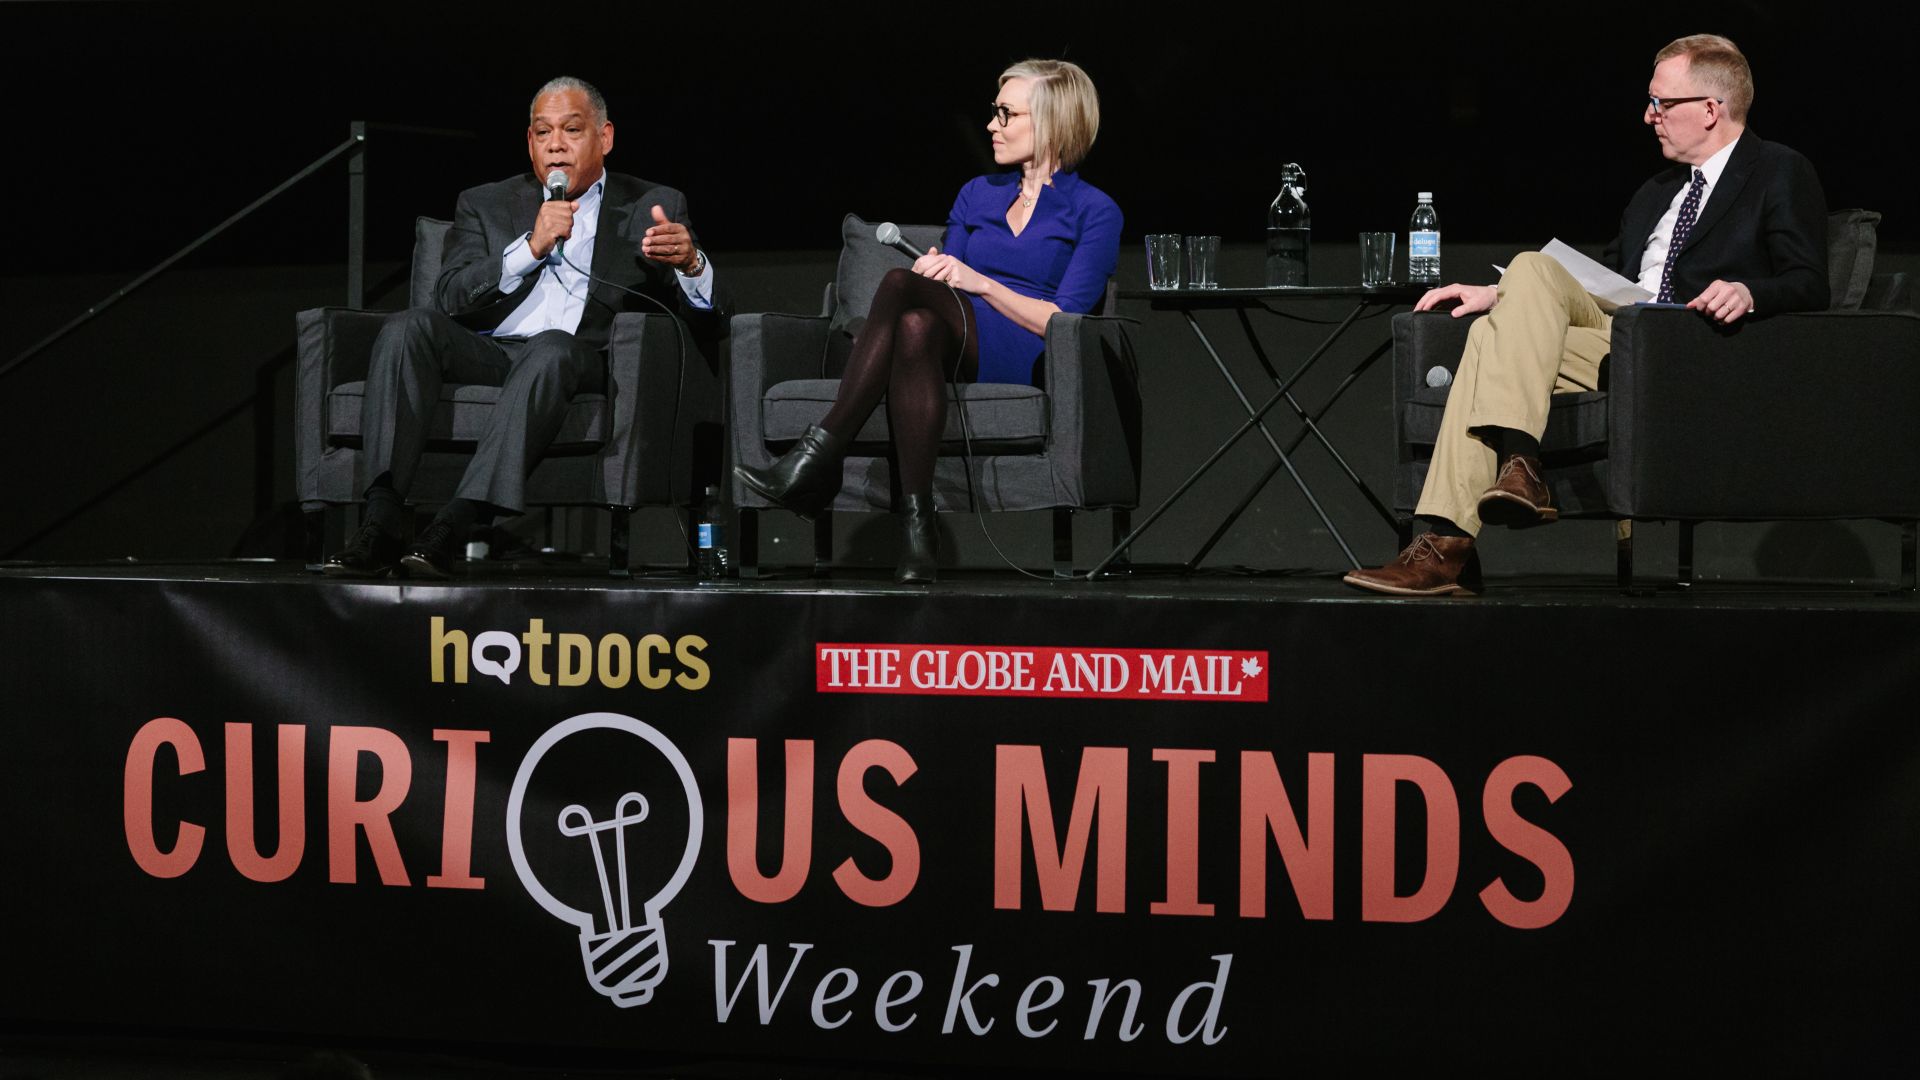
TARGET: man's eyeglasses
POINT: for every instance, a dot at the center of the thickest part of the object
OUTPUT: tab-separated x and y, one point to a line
1005	115
1660	105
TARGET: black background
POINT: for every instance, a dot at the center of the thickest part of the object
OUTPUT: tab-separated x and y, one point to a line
143	124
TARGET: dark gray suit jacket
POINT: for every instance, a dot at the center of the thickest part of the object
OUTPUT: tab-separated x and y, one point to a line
491	217
1765	226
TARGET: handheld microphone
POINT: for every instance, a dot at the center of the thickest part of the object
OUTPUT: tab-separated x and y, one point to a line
889	234
557	189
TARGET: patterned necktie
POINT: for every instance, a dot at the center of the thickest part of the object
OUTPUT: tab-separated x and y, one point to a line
1689	210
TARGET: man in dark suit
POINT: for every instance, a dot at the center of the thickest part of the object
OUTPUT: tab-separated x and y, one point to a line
1738	232
525	301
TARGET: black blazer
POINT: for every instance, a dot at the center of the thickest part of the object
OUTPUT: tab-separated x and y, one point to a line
491	217
1764	226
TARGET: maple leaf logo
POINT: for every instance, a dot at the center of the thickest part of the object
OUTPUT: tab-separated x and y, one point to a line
1250	667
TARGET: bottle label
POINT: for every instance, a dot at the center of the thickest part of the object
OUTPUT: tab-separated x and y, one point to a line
706	536
1424	244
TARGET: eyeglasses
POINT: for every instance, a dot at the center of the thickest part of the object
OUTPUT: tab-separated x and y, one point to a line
1660	105
1005	115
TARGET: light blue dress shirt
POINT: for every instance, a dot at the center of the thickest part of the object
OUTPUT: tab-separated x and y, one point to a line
558	297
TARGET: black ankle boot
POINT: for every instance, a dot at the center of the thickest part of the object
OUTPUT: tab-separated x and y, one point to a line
920	543
806	478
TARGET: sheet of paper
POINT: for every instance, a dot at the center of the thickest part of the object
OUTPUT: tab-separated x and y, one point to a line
1608	288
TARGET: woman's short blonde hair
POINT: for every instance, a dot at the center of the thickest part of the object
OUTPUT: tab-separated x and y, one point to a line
1066	110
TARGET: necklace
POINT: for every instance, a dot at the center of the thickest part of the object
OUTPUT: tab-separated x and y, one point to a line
1026	200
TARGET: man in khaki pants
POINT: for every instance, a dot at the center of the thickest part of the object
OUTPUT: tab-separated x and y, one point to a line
1738	231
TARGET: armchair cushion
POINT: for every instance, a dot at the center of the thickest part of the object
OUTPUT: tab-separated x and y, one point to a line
1852	238
1890	292
429	251
1574	421
1003	416
863	262
462	415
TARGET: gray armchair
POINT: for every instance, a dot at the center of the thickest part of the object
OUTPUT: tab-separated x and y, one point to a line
1796	417
638	444
1071	444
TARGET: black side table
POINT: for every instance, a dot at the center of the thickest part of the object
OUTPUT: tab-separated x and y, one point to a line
1189	302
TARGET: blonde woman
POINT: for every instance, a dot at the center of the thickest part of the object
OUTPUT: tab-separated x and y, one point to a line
1020	246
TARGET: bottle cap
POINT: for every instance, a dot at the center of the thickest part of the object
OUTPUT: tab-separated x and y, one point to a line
1426	196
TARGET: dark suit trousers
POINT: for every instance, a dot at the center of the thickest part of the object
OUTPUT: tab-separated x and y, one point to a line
420	349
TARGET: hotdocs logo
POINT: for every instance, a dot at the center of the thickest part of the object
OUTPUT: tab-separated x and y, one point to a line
541	657
638	837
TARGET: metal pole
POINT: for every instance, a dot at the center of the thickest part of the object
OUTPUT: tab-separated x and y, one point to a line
357	216
121	293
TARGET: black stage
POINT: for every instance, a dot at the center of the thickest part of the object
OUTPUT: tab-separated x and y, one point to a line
1294	821
1150	582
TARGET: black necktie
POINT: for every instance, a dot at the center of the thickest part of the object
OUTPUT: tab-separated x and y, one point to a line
1689	210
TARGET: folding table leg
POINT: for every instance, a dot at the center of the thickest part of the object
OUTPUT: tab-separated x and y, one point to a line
1256	415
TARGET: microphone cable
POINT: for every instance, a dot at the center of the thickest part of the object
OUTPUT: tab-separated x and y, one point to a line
966	434
681	338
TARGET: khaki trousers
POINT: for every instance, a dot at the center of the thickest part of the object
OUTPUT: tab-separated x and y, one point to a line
1546	336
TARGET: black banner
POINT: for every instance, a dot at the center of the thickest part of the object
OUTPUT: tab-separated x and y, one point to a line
1045	829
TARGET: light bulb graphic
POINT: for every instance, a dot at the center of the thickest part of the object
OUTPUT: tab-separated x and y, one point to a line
627	960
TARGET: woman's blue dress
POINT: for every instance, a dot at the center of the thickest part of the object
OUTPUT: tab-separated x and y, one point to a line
1065	254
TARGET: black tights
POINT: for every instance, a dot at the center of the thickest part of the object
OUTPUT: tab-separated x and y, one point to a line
904	353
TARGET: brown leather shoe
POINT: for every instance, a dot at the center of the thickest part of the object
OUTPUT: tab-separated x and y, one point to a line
1519	497
1431	566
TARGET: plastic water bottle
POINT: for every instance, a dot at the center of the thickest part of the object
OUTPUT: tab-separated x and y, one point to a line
713	537
1423	243
1289	229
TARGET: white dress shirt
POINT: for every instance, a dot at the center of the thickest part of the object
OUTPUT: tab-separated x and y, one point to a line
558	297
1654	259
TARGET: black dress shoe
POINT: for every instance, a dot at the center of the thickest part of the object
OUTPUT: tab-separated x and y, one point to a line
370	554
920	542
431	555
806	478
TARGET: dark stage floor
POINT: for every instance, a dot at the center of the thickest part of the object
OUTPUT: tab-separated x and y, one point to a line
1145	583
